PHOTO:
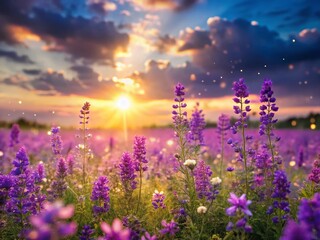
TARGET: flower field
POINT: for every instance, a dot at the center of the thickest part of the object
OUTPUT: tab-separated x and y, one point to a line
184	182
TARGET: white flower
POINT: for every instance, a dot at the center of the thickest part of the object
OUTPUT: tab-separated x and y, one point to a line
201	209
157	192
190	163
216	181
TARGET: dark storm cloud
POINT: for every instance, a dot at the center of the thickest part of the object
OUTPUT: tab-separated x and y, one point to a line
79	37
239	44
14	57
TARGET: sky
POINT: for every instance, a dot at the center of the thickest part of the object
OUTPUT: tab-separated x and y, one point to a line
57	54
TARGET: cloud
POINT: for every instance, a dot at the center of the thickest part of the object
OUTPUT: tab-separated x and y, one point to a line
176	5
79	37
101	7
164	43
239	44
14	57
32	71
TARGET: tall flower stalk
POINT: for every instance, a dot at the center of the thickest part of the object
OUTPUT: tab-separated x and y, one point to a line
267	120
140	159
84	149
181	127
242	109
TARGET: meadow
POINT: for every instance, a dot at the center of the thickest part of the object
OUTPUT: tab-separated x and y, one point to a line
184	182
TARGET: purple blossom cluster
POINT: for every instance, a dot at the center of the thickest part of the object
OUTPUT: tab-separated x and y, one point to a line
314	176
56	142
139	154
100	196
196	126
169	228
20	193
308	225
223	126
134	225
280	193
115	231
86	233
179	115
158	200
49	224
267	109
127	173
239	209
242	108
14	135
204	188
59	184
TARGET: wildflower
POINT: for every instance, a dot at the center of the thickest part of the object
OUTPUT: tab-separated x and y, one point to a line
147	236
240	203
201	210
230	169
190	163
48	224
134	226
115	231
127	174
56	142
309	214
216	181
100	196
86	233
280	191
169	228
179	116
204	188
59	185
314	176
196	126
158	199
139	154
294	231
268	108
14	135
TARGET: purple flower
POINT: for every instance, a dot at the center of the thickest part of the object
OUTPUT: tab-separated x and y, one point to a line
196	125
135	227
14	135
240	203
294	231
49	223
223	126
56	142
127	174
169	228
116	231
240	89
179	115
230	169
86	233
204	188
268	108
20	163
147	236
314	176
158	199
139	154
5	185
39	174
100	196
309	215
280	191
59	185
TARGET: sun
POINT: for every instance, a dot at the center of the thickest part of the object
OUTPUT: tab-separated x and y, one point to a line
123	103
